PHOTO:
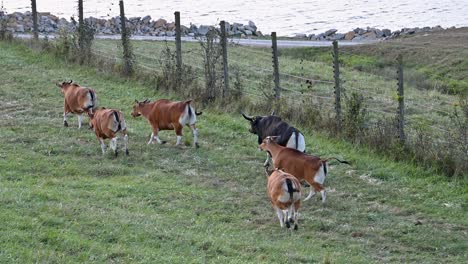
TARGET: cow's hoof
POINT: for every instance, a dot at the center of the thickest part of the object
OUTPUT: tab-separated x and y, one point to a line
116	153
126	152
65	123
163	142
295	227
287	224
196	145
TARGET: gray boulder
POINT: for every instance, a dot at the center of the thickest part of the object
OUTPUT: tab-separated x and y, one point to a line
386	32
330	32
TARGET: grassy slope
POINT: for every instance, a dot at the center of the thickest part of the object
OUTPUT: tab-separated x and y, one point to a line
433	60
61	201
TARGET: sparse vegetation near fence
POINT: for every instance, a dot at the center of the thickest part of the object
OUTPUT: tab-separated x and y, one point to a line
311	92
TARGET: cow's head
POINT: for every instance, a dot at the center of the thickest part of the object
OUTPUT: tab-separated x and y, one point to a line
137	107
64	85
254	121
267	142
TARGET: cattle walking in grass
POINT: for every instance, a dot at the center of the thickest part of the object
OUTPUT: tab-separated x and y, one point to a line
77	100
288	136
305	167
106	123
284	191
164	114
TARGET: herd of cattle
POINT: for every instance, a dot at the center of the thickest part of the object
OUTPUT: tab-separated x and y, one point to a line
284	144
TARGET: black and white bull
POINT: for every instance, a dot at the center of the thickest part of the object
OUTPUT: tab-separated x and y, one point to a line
272	125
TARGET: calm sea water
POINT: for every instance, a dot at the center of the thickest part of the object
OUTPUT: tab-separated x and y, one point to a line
283	16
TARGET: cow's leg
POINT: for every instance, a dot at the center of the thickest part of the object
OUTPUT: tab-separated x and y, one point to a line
80	120
178	129
155	135
66	110
279	212
126	143
285	218
103	146
324	195
195	135
296	214
312	191
113	145
291	211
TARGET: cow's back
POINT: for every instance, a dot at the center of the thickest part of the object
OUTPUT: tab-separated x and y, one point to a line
105	123
295	162
77	98
166	113
274	126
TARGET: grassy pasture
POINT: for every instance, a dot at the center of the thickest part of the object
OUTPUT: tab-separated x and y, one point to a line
61	201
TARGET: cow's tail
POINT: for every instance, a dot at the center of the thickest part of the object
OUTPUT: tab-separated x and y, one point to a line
92	97
117	119
341	161
291	189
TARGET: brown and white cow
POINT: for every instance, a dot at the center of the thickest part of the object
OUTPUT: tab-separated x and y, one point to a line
164	114
77	100
285	196
106	123
305	167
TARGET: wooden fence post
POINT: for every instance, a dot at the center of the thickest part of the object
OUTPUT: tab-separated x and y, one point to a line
401	101
275	65
178	42
127	53
225	58
34	17
80	24
336	75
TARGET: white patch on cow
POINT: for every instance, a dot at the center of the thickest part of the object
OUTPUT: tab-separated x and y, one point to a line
324	195
103	146
158	139
151	139
311	193
185	118
279	212
80	120
195	134
126	142
89	103
179	138
320	175
300	143
113	144
64	116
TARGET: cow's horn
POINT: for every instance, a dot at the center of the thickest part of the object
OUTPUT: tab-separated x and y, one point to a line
136	101
246	117
71	81
272	112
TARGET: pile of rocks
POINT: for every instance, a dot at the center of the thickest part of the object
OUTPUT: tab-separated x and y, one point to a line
50	24
359	34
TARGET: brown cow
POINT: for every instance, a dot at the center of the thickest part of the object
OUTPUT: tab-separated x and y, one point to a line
304	167
164	114
106	123
285	196
77	100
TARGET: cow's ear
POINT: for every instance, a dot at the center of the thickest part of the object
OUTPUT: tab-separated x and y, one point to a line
273	138
136	101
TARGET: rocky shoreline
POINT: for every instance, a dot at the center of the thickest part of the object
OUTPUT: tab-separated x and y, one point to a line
145	26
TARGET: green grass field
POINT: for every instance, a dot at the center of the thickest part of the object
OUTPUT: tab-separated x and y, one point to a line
61	201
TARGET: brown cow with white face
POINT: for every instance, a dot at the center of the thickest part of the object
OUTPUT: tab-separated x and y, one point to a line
77	100
164	114
106	123
305	167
